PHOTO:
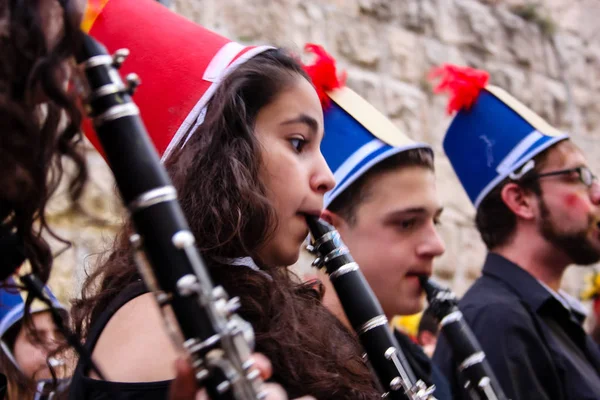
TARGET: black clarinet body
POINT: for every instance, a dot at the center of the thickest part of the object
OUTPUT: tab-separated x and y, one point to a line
365	315
478	377
219	343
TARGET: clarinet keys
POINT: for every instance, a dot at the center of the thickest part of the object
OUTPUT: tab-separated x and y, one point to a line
133	82
119	57
365	314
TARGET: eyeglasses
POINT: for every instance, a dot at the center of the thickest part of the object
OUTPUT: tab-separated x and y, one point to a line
584	174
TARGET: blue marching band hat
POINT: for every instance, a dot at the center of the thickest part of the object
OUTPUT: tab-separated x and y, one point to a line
492	136
357	136
12	311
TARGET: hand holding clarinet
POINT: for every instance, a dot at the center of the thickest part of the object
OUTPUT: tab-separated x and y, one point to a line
185	387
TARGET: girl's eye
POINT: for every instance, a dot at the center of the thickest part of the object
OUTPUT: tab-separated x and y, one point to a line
298	144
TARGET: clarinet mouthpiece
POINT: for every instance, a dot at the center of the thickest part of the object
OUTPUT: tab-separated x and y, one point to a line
429	287
317	226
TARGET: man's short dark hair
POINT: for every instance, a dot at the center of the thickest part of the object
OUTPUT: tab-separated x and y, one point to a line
495	221
350	199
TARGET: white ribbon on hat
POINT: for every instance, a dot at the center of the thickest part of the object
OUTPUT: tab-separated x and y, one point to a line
518	157
218	68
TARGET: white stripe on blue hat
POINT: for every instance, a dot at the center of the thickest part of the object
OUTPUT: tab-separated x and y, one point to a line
363	160
357	137
529	147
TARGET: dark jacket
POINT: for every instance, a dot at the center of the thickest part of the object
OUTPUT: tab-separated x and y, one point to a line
536	347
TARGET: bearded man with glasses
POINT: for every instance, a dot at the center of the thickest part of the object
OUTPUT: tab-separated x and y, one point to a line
538	211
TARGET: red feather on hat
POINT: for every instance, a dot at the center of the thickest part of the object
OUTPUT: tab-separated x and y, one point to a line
323	73
462	83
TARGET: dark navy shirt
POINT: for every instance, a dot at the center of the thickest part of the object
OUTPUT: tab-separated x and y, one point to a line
536	347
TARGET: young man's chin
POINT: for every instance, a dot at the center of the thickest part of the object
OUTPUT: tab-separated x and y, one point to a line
411	306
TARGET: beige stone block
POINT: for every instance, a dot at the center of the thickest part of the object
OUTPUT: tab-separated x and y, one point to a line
351	8
436	122
262	21
573	280
580	17
368	85
310	23
513	3
83	239
547	100
590	115
551	63
446	22
359	43
405	104
437	52
510	21
511	78
101	199
572	50
203	12
406	55
417	15
452	195
592	57
590	146
383	10
527	47
481	30
473	252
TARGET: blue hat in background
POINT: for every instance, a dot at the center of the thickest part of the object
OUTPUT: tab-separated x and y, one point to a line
357	136
12	310
493	135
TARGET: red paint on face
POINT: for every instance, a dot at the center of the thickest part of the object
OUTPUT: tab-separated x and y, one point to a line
574	202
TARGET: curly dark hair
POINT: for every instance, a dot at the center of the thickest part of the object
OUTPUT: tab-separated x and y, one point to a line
39	119
217	177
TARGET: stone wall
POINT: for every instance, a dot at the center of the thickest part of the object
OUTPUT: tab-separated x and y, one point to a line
547	56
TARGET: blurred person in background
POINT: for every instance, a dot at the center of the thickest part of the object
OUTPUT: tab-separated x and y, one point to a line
384	205
428	331
538	211
27	347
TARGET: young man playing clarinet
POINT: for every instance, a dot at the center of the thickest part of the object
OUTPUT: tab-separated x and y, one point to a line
384	205
538	209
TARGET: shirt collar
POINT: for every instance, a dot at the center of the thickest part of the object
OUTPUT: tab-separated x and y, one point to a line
241	261
247	262
528	288
569	302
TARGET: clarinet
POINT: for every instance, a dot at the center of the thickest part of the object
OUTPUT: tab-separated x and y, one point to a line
365	315
199	316
479	379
